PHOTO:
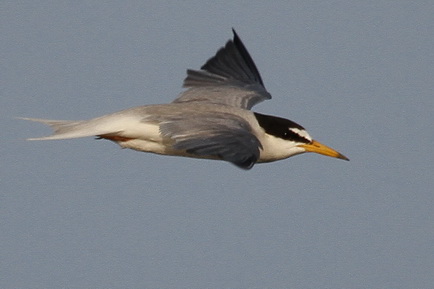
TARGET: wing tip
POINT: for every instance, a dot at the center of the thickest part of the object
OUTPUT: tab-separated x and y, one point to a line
235	33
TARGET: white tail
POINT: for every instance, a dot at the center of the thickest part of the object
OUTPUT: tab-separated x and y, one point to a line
66	129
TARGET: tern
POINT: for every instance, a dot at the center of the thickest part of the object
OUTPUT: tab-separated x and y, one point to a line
211	119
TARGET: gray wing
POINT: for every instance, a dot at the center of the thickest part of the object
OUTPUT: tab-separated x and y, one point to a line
229	78
219	135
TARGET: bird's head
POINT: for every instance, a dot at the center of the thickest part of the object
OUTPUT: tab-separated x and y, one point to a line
287	138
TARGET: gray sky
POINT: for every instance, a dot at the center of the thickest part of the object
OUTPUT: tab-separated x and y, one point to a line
359	75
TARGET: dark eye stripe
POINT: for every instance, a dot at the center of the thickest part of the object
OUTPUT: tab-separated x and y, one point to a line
292	135
280	127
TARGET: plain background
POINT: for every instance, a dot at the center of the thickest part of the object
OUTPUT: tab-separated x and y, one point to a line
359	75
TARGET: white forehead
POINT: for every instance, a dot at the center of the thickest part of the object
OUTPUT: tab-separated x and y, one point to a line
301	132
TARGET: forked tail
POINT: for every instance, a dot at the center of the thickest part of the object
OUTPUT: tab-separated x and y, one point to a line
66	129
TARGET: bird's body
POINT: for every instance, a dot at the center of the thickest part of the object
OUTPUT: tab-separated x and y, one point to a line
211	119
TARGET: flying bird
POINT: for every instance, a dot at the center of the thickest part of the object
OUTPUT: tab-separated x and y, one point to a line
211	119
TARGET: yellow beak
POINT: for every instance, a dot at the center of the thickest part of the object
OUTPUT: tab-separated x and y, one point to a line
319	148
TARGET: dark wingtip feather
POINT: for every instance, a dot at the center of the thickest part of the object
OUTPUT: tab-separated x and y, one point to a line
231	69
233	61
246	55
